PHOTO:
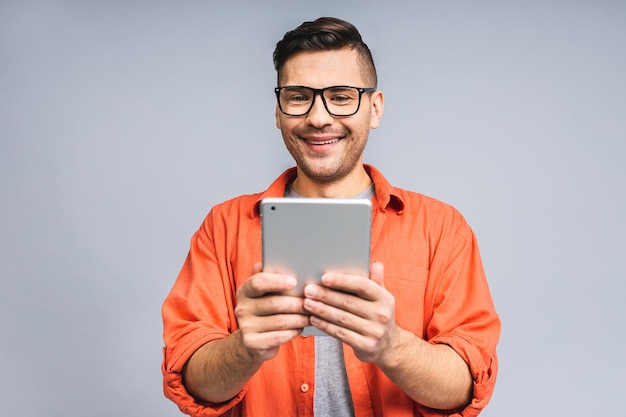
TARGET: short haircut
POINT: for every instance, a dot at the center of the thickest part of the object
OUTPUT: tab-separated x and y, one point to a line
325	34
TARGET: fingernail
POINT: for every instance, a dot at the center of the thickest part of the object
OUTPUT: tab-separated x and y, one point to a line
310	291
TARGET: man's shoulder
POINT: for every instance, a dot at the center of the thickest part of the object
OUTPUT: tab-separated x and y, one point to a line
241	203
418	201
430	212
248	203
407	201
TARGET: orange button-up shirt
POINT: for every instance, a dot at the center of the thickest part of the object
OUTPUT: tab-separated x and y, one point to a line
432	267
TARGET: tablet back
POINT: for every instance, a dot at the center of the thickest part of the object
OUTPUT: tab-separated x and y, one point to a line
306	237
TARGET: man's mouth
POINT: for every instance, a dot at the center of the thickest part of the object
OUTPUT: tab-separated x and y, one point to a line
324	142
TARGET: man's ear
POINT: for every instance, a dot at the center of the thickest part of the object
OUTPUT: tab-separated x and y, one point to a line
378	107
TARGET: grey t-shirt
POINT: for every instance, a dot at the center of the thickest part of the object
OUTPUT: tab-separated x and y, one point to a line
331	397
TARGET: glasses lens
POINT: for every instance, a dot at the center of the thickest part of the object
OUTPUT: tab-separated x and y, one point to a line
339	101
342	101
295	101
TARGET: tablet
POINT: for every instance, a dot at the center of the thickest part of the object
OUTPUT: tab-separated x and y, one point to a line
306	237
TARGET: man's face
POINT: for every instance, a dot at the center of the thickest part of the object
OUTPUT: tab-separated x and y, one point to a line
328	149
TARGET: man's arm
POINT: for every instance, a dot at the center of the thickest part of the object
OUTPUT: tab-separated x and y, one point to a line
361	314
433	375
217	371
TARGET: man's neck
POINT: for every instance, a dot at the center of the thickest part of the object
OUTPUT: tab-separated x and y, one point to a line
347	187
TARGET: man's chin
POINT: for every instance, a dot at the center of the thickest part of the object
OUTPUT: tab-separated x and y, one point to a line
323	174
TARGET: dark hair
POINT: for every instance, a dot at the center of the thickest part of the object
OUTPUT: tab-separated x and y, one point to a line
325	34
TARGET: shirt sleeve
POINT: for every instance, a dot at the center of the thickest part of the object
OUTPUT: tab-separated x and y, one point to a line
193	315
462	313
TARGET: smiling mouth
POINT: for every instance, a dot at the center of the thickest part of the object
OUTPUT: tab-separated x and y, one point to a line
325	142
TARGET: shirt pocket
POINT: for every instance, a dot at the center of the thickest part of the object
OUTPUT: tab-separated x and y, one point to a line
407	280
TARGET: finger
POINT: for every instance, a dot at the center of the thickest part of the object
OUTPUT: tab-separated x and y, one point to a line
328	316
275	323
249	311
264	346
365	336
377	273
264	283
347	309
319	298
361	286
365	346
278	304
257	267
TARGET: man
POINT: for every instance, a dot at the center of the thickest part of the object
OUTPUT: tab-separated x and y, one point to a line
415	338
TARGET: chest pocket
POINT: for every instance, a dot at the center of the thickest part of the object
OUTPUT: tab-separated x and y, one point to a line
407	280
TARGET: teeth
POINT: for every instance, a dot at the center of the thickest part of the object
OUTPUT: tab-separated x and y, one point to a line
323	143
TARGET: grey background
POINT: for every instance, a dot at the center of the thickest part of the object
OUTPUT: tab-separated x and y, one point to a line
123	122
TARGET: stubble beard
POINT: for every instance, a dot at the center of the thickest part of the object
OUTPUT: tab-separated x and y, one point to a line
323	169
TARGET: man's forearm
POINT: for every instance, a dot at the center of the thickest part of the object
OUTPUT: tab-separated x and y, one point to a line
219	370
433	375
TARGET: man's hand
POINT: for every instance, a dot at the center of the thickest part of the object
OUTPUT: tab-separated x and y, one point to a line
267	318
360	312
355	309
218	370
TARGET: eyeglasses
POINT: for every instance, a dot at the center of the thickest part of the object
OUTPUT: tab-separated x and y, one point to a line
339	100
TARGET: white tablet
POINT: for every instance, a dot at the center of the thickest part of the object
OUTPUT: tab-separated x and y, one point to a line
306	237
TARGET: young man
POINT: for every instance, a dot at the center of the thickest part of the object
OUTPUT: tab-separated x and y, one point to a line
416	338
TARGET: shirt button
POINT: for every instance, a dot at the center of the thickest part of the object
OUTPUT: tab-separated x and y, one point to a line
304	387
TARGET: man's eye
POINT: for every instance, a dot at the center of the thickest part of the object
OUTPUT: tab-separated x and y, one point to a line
340	99
298	98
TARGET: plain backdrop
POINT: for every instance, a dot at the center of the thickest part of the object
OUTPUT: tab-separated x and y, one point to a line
123	122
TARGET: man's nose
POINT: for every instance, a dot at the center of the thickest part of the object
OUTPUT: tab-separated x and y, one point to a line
318	116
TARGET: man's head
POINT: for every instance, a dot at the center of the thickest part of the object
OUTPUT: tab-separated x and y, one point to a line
325	34
326	105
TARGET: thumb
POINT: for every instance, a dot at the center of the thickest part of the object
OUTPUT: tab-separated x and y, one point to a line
377	273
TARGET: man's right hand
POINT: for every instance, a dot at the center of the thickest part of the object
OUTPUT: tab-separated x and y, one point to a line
267	318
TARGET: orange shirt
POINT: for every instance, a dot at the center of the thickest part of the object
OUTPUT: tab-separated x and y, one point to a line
432	267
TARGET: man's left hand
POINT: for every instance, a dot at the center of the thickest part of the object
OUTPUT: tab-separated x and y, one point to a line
357	310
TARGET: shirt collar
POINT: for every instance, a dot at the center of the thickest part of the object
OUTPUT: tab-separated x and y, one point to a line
386	195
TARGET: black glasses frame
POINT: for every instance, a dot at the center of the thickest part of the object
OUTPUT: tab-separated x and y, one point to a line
320	92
